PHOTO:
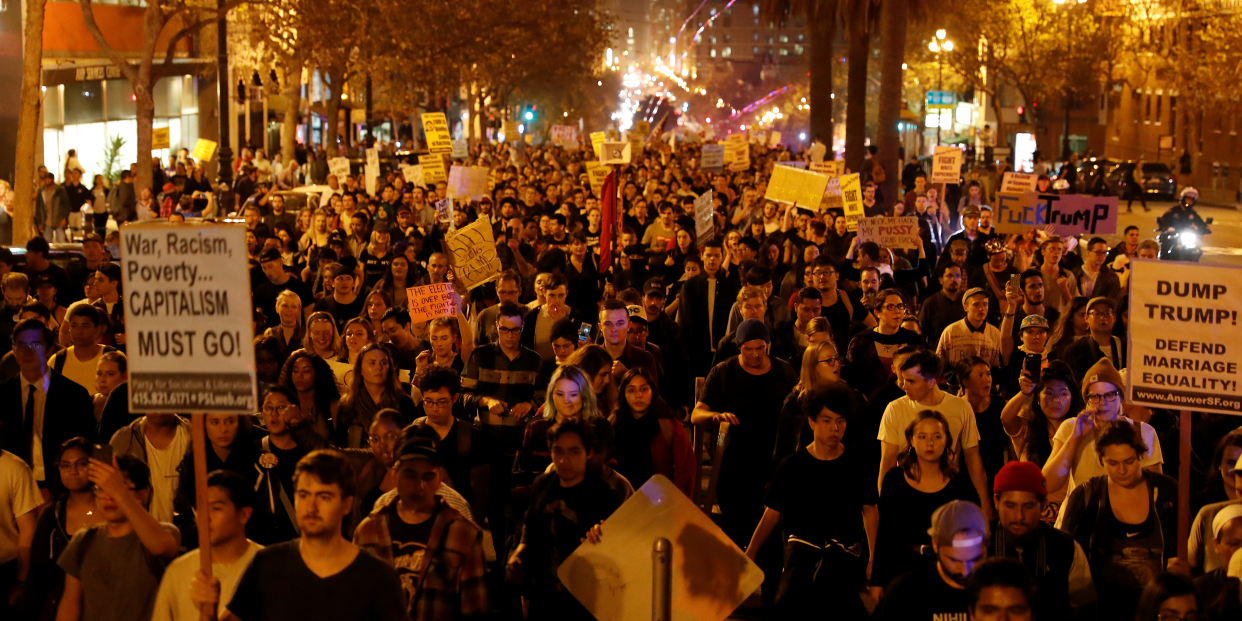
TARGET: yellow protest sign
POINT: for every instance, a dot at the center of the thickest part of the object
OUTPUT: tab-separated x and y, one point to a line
596	173
597	139
852	200
643	128
203	149
159	138
832	168
737	152
433	168
435	126
789	185
947	165
472	253
510	130
774	139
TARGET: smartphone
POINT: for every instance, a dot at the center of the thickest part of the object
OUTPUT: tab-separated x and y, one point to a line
1032	365
1013	281
584	333
102	452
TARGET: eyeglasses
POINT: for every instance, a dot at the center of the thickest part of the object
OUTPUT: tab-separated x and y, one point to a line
893	307
1101	313
824	272
832	362
28	346
391	436
277	409
437	403
1108	396
503	330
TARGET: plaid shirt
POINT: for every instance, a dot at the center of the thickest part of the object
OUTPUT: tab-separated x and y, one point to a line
452	585
490	373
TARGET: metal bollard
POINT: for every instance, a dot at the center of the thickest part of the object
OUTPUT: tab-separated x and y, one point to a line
662	580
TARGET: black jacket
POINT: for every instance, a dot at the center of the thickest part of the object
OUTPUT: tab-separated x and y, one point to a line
67	413
692	315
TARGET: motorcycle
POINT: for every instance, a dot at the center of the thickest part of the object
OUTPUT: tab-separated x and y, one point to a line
1181	241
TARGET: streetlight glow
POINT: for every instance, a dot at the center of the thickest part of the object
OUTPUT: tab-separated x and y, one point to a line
948	46
933	47
941	34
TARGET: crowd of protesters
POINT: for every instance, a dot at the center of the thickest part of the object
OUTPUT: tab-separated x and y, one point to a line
938	433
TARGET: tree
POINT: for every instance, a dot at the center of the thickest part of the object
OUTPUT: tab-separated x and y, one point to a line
858	17
28	122
821	31
894	21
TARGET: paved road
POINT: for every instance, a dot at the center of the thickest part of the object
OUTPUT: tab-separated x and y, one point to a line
1223	246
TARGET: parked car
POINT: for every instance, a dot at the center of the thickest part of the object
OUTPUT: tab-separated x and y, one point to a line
1159	183
1089	173
68	256
300	197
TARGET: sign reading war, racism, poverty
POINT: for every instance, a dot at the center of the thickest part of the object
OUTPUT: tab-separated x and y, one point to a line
1185	341
1068	214
430	301
188	332
888	232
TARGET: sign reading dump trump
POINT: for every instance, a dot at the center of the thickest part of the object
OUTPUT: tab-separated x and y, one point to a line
188	332
1185	347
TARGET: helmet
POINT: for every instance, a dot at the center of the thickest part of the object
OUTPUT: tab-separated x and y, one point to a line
1190	192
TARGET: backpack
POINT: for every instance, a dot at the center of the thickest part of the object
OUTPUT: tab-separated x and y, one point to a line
62	355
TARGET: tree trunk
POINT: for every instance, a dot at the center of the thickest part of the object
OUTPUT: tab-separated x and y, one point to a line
28	123
893	22
145	110
856	100
336	86
821	30
293	104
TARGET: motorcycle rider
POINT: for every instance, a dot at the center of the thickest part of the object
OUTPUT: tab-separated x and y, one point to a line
1183	213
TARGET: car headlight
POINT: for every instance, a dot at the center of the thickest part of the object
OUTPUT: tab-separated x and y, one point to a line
1188	239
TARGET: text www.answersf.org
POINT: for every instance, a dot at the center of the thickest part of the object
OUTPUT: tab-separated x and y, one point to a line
1191	400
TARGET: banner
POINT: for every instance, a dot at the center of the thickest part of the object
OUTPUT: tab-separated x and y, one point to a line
433	169
596	174
1019	182
1185	346
1068	214
431	301
461	150
947	165
889	232
472	253
159	138
851	199
713	158
203	150
436	128
189	336
704	222
339	166
789	185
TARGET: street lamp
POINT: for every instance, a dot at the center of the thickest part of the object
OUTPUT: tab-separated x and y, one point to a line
937	46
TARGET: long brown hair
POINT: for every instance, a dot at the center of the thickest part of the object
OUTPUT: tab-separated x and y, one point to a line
809	379
392	385
592	359
909	458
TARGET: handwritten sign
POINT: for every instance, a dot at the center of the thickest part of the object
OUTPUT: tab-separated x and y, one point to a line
371	172
204	149
899	232
159	138
461	150
832	168
851	199
774	139
615	153
339	166
444	209
596	174
565	136
373	157
472	253
704	220
737	152
431	301
1068	214
436	128
433	169
413	174
947	165
597	141
1184	344
713	158
510	130
759	138
469	181
789	185
1019	182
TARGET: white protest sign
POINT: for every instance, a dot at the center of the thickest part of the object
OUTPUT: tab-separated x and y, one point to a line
373	157
339	166
372	174
436	128
889	232
565	136
413	174
188	318
1185	342
774	139
946	165
704	222
1019	182
461	150
713	158
431	301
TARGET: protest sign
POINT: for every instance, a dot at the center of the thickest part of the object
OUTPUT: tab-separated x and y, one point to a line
596	173
461	150
510	129
760	138
1068	214
1185	347
436	128
472	253
597	140
947	165
565	136
188	318
774	139
799	164
713	158
373	158
444	209
371	172
832	168
1018	182
339	166
431	301
642	128
789	185
204	149
704	223
159	138
433	168
851	199
888	232
469	181
737	152
710	575
615	153
413	175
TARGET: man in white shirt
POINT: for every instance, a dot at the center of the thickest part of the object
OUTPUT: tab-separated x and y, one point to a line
160	441
230	505
79	360
920	379
19	497
334	186
973	335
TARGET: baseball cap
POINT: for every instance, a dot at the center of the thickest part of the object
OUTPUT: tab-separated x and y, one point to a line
418	447
1033	321
271	254
973	291
1223	517
39	280
971	211
1020	476
653	285
958	516
752	330
636	314
1102	300
636	250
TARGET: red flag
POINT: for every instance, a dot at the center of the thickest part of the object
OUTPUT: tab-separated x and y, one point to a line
608	205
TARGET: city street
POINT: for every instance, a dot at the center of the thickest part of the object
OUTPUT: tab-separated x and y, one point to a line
1222	247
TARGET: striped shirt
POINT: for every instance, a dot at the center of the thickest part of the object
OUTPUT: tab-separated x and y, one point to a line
490	373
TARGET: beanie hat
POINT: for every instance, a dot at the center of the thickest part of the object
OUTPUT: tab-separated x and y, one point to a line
751	330
1102	371
958	516
1020	476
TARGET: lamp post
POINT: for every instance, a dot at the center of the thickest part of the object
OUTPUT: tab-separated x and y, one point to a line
938	46
1066	95
224	163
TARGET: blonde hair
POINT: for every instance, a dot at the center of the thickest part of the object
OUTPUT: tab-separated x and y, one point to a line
809	379
586	394
315	318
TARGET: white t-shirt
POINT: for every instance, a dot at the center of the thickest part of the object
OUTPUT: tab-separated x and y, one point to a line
79	371
164	475
172	602
19	495
956	410
1086	464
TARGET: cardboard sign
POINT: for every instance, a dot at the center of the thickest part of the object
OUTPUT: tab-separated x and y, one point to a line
188	318
832	168
760	138
1068	214
433	169
339	166
1185	348
899	232
461	150
565	136
373	157
204	149
713	158
710	575
431	301
469	181
642	128
597	141
704	222
596	173
852	199
510	130
413	174
436	128
159	138
472	253
774	139
444	209
789	185
1019	182
372	172
737	152
947	165
615	153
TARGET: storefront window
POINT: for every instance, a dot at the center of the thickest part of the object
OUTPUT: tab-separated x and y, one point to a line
83	102
121	101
